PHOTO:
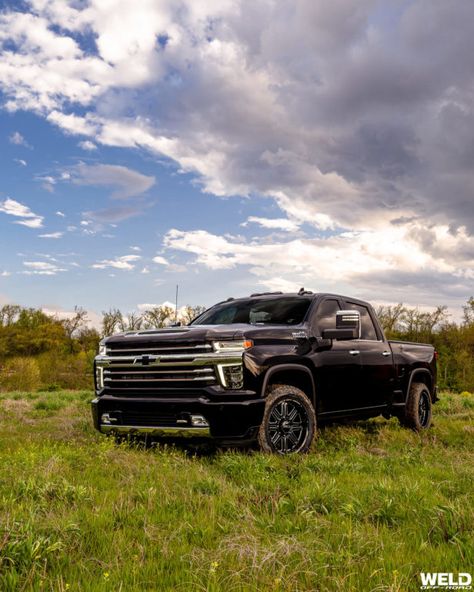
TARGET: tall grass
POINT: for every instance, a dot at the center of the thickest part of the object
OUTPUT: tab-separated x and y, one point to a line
368	509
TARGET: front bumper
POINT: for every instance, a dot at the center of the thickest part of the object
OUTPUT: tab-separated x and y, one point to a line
170	417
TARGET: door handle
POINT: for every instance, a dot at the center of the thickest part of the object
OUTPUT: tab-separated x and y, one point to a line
386	353
354	352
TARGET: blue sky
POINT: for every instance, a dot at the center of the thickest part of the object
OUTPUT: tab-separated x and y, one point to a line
232	147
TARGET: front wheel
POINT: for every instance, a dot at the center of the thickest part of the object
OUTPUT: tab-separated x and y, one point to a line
417	414
289	421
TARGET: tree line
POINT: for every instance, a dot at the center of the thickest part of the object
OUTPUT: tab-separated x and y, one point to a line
38	350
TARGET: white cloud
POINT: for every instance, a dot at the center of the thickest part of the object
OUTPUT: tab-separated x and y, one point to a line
87	145
148	306
52	235
160	260
20	161
14	208
73	124
60	214
135	248
17	139
344	121
41	268
345	258
5	273
145	270
126	262
272	223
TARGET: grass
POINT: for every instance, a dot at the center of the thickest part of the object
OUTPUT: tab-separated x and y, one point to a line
369	509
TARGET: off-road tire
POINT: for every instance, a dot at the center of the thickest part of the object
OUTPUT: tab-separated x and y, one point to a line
293	432
418	408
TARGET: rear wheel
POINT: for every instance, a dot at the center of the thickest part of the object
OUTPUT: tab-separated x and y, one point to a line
289	421
417	415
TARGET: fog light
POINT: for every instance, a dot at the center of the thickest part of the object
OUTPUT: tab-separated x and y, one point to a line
231	375
106	419
198	421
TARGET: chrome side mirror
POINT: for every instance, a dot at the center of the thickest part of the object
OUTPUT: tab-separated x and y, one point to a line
347	326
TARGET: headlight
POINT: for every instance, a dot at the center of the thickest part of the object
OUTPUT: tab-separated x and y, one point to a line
232	346
102	349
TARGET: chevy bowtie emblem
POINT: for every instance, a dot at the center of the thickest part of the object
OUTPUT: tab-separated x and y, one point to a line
143	360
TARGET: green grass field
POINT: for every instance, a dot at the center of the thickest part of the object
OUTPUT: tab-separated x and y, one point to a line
367	510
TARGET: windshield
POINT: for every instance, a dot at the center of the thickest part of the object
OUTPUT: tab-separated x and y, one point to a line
289	310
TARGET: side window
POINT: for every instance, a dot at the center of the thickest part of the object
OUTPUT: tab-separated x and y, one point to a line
367	326
325	317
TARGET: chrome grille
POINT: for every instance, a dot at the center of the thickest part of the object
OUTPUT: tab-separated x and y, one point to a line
144	368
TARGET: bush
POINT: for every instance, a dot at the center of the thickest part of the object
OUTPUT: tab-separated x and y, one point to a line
66	371
20	374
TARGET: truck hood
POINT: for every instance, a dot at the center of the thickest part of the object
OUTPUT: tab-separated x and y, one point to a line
206	333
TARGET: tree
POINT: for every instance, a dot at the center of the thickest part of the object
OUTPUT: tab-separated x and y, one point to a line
133	322
159	316
9	314
74	324
188	313
111	321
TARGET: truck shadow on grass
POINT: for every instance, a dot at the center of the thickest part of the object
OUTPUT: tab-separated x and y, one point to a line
339	435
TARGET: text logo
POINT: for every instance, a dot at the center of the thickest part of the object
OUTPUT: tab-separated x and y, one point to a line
445	581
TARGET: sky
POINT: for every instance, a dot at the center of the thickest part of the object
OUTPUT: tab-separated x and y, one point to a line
234	146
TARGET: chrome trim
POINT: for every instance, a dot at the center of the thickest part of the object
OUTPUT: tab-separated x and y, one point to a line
188	432
159	379
146	349
168	360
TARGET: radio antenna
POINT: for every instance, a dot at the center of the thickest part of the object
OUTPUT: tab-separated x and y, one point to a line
176	306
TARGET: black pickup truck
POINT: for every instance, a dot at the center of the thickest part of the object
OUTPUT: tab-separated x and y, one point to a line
264	368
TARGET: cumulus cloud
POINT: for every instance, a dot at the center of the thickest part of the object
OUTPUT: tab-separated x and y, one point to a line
126	262
352	116
14	208
87	145
349	258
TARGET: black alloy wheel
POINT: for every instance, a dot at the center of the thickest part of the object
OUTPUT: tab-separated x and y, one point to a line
418	408
424	409
289	421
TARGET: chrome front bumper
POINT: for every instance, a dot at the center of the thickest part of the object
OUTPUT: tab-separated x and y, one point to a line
170	432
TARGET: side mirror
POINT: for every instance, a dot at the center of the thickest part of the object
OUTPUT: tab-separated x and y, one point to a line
347	326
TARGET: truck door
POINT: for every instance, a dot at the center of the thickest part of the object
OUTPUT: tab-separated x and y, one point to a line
377	369
337	367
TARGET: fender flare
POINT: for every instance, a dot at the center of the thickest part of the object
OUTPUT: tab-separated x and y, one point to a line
292	368
415	372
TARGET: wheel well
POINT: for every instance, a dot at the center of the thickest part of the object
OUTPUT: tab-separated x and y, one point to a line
423	377
299	378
